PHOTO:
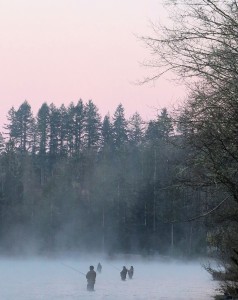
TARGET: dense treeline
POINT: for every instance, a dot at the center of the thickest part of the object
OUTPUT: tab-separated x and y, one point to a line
70	180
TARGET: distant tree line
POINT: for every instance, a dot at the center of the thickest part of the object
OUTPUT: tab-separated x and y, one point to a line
70	180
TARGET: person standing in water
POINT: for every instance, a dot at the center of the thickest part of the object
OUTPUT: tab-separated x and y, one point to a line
131	272
91	278
123	273
99	268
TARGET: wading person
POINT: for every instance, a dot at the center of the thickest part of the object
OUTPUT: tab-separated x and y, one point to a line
99	268
91	278
123	273
131	272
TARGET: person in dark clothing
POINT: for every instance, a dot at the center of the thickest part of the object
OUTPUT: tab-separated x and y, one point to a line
91	278
123	273
99	268
131	272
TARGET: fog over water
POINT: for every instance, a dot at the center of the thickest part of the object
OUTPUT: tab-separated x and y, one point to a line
51	279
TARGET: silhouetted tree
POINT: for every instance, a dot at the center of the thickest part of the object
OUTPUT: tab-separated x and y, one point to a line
120	130
21	127
92	126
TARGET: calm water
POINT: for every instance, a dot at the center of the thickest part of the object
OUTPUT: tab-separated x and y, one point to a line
34	279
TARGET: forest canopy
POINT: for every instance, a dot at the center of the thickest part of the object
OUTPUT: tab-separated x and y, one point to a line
72	180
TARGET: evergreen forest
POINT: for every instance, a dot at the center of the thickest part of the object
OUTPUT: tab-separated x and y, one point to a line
71	180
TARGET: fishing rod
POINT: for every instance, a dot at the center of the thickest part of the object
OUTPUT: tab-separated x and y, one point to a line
115	267
73	269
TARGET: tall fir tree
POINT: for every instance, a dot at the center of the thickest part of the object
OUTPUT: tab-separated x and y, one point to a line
78	126
107	133
135	131
21	127
43	127
54	136
92	126
120	130
63	112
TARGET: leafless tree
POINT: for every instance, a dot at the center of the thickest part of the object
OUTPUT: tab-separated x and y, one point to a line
201	48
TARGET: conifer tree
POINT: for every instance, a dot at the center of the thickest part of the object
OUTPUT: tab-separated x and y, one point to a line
107	133
92	126
135	129
78	126
120	130
43	126
63	114
54	135
2	143
21	127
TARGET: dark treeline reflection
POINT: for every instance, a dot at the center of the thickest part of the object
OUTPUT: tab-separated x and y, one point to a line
72	180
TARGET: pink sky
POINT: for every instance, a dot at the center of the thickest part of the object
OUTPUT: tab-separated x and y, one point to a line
62	50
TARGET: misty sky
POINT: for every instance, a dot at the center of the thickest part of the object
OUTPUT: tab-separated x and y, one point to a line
62	50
